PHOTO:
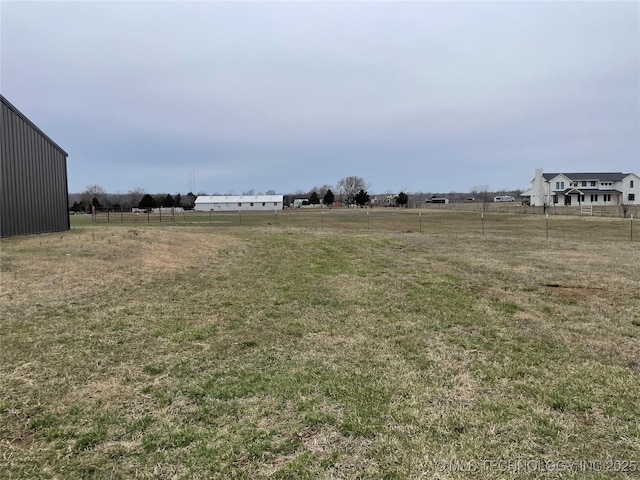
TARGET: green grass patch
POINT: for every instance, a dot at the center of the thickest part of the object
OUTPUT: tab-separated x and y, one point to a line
250	351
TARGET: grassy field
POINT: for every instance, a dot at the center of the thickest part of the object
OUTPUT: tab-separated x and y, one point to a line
438	219
215	350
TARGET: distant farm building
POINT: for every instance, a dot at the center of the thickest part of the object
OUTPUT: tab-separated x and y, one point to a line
437	200
233	203
504	198
300	202
34	197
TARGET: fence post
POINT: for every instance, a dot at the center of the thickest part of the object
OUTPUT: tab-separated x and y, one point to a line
632	227
546	225
482	220
368	225
240	216
322	218
275	213
420	216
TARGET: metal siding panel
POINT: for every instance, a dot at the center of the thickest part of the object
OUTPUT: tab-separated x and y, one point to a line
64	191
31	214
32	217
40	200
15	163
6	206
65	187
31	158
34	191
52	180
54	192
59	212
22	191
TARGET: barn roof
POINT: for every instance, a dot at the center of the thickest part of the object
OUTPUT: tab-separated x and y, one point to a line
238	198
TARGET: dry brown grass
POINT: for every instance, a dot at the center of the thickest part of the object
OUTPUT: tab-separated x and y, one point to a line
253	352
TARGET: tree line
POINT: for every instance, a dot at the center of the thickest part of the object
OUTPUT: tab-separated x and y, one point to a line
96	196
352	190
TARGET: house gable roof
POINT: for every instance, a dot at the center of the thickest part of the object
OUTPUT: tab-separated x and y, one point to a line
601	176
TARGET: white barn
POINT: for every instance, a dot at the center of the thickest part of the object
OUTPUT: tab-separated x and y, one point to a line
233	203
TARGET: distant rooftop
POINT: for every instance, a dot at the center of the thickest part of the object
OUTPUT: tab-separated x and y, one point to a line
602	176
238	198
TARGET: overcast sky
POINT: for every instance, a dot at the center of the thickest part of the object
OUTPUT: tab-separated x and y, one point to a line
226	97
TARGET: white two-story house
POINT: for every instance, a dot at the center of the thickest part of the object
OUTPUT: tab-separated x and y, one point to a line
604	188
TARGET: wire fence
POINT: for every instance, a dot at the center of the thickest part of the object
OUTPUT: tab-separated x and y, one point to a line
429	221
619	211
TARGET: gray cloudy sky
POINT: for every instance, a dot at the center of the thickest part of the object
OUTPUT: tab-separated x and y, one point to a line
421	96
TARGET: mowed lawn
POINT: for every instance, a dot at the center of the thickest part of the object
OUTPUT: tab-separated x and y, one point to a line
178	351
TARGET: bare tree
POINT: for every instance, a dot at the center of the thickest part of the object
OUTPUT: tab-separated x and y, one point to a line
321	191
94	195
482	194
350	186
134	197
624	207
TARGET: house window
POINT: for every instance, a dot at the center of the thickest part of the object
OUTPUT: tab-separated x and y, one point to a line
251	204
632	197
630	183
275	204
592	183
263	204
594	198
559	185
581	198
584	183
555	199
606	197
239	204
574	184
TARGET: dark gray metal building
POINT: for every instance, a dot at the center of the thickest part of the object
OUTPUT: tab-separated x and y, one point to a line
34	196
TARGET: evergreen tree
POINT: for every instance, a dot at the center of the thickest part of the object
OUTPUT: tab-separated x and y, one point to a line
313	198
168	201
148	202
362	198
403	199
328	198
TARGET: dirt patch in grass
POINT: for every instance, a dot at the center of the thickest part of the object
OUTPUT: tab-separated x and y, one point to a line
574	293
